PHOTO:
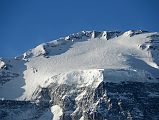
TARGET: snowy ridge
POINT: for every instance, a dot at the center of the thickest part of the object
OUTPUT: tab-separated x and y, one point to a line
46	49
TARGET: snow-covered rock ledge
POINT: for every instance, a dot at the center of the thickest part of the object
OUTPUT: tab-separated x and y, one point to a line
93	77
80	78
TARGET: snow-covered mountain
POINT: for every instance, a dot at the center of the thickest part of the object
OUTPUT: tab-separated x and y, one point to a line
89	75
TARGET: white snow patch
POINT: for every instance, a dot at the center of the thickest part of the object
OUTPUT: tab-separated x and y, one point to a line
2	64
57	112
82	118
128	33
104	35
80	96
93	34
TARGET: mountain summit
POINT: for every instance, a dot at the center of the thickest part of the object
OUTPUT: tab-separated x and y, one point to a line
90	75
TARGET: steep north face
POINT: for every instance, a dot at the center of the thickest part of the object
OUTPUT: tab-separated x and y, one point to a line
90	75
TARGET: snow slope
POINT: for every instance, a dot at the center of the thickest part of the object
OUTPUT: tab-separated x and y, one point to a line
85	59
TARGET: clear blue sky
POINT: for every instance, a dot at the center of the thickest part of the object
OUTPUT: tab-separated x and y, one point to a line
27	23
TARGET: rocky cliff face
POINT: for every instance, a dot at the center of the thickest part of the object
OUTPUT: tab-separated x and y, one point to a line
111	101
